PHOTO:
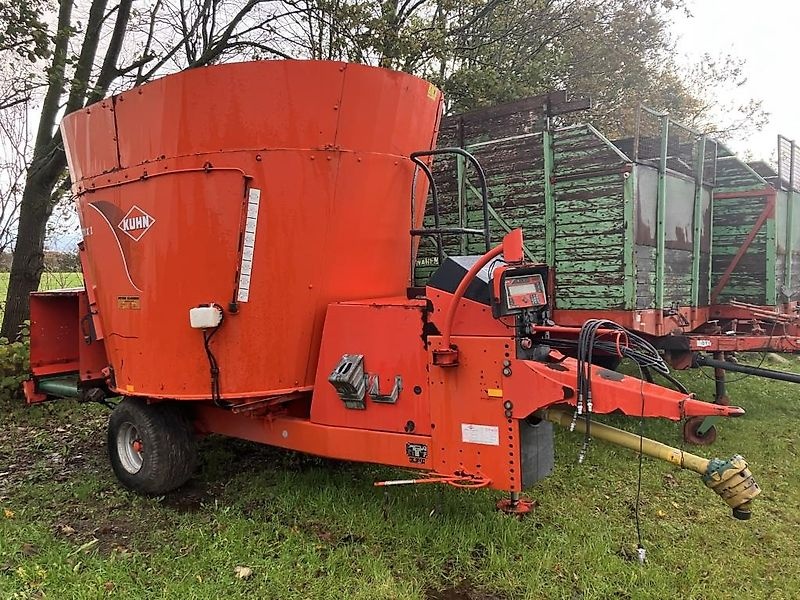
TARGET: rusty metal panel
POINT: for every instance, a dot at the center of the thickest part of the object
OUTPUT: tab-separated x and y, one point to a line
678	233
787	234
678	238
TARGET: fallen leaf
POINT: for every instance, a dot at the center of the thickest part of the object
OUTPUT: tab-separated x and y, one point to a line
66	529
243	572
661	514
86	547
8	513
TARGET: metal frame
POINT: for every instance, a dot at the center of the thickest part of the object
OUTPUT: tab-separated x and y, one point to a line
437	231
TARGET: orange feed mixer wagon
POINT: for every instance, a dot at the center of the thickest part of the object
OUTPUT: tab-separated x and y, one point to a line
248	236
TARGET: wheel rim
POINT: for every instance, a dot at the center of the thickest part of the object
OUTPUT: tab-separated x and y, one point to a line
130	447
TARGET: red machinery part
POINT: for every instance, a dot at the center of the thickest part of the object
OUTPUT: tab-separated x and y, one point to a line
305	162
280	204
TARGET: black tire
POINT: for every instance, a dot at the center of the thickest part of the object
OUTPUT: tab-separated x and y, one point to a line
151	446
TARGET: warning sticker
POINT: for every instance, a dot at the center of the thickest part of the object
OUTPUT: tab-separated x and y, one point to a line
480	434
249	244
128	303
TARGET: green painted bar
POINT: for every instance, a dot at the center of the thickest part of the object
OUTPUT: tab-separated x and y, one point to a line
549	201
698	223
771	275
661	213
629	250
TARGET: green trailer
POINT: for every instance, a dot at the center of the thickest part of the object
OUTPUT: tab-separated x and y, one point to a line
625	227
756	240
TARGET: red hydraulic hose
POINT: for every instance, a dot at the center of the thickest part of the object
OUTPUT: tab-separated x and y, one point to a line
462	287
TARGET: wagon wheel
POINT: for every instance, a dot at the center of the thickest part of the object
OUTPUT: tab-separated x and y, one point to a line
692	435
151	446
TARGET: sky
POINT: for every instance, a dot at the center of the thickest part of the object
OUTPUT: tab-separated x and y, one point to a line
763	33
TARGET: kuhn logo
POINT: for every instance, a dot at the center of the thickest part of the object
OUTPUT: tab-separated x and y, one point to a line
136	223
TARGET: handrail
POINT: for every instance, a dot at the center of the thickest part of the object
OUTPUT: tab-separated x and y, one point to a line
438	231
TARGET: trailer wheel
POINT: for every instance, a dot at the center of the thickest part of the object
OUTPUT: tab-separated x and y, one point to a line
692	435
151	446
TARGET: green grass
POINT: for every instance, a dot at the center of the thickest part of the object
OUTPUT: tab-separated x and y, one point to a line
50	281
311	528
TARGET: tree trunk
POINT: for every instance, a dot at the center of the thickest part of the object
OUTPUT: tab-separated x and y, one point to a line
28	262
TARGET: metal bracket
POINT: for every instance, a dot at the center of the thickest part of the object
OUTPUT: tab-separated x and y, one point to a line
353	384
350	381
375	394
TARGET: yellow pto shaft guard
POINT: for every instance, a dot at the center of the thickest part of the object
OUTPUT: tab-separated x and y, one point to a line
731	479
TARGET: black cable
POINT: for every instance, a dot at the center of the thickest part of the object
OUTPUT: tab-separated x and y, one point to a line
635	348
639	545
216	394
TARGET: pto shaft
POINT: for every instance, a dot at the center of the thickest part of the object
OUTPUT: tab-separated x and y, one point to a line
731	479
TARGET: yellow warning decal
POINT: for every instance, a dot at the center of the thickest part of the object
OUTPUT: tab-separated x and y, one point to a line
129	388
494	393
432	91
129	303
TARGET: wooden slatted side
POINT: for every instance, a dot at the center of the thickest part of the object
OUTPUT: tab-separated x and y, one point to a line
733	220
589	221
736	210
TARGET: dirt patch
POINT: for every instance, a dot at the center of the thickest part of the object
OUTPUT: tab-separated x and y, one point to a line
191	498
462	591
53	451
329	536
107	535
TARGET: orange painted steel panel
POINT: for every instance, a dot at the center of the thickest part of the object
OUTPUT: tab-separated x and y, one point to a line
333	217
54	332
472	318
344	443
59	329
90	140
275	105
388	332
460	398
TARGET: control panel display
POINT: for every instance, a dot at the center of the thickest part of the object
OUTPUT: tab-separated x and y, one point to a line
525	291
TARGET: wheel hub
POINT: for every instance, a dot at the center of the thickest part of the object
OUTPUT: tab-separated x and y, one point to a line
130	448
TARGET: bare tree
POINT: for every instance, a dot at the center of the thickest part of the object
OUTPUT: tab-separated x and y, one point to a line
117	44
14	155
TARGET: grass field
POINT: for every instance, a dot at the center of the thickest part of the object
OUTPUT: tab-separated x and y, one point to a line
311	528
50	281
